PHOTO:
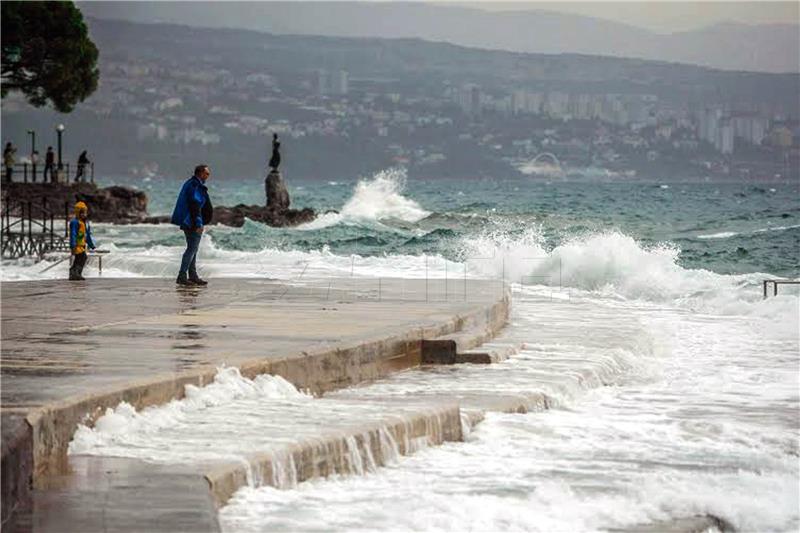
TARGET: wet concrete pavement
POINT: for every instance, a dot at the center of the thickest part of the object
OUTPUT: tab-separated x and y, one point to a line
61	339
69	350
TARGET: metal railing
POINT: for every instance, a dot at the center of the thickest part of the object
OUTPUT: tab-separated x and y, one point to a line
28	228
775	283
31	173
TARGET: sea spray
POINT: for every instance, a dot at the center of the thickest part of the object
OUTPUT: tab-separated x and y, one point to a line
278	435
379	198
659	416
612	264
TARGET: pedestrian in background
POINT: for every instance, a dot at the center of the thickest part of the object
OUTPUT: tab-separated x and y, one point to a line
83	160
193	211
8	160
49	165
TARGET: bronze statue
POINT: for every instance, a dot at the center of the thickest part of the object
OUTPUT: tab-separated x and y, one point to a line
275	160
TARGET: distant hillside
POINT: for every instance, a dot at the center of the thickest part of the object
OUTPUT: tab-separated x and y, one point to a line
172	95
415	62
761	48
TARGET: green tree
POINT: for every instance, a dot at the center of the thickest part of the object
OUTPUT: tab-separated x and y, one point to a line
47	53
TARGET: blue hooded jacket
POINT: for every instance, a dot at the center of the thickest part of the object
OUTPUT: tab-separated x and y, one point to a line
76	239
188	212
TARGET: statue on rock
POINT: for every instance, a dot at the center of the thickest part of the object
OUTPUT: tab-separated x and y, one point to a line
276	213
275	160
275	188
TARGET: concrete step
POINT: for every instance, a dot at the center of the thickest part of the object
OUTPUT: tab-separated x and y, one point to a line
469	346
488	353
131	495
355	451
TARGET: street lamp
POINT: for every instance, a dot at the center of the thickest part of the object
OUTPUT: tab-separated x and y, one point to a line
33	152
59	130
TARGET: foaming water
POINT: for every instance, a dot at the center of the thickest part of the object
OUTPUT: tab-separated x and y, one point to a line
660	414
373	200
661	385
264	425
729	234
615	265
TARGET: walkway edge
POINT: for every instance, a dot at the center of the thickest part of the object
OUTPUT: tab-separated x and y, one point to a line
323	370
326	456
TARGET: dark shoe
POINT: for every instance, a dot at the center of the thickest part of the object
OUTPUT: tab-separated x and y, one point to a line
73	277
183	280
197	281
81	278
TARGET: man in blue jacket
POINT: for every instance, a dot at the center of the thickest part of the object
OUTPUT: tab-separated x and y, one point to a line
193	211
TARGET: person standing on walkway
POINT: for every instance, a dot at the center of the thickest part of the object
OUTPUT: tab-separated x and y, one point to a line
49	165
8	160
80	236
193	211
83	160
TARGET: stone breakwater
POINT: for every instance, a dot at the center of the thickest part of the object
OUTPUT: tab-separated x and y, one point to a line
115	204
142	342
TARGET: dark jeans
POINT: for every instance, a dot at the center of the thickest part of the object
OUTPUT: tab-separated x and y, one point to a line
48	169
189	260
76	270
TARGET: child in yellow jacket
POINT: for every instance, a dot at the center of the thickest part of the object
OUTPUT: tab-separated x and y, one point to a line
80	236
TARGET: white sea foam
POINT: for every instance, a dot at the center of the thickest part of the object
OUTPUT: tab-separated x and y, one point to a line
609	263
379	198
776	228
616	265
720	235
729	234
697	429
118	428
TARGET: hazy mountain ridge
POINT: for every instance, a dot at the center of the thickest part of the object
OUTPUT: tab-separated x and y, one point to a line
174	94
731	46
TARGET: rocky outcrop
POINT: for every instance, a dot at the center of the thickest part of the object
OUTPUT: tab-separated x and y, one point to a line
276	213
117	204
276	192
123	205
234	216
120	205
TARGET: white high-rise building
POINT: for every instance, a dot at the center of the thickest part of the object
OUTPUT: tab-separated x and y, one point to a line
725	137
341	83
518	101
751	128
322	82
708	124
469	99
557	104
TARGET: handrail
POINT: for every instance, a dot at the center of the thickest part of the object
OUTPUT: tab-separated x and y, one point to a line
776	282
29	169
32	234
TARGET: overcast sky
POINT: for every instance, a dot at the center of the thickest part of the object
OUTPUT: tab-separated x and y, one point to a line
668	17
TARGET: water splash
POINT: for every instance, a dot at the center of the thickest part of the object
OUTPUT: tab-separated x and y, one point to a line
379	198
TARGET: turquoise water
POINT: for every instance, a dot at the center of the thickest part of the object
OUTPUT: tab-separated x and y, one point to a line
639	310
727	228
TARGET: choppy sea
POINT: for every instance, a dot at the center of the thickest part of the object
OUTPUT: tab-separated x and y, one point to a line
695	408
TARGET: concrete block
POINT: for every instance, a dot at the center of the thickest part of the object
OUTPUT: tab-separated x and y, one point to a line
16	471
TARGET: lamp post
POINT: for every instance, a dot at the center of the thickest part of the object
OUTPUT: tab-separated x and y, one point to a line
33	152
60	171
59	130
